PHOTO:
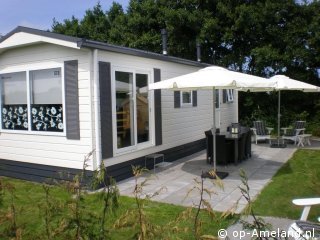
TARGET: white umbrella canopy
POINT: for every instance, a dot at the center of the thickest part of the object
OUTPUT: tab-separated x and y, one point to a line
285	83
214	78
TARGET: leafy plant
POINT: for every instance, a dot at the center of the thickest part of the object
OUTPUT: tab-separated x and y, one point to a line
109	194
9	218
137	217
79	219
203	204
51	211
259	225
1	192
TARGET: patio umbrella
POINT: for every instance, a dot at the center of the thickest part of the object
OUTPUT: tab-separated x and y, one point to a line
284	83
214	78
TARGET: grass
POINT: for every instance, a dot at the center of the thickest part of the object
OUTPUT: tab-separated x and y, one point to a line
298	178
29	196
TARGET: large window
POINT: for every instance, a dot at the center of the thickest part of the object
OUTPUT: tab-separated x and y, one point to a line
132	109
46	100
14	101
32	101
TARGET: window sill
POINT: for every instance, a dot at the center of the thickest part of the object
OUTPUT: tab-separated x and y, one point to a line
132	149
58	134
186	105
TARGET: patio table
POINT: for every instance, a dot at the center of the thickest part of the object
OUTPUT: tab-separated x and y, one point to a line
235	138
303	139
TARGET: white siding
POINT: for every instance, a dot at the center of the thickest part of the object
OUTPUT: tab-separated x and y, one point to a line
41	149
179	126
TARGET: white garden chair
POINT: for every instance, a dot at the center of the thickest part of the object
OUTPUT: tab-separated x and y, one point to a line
302	229
260	131
292	133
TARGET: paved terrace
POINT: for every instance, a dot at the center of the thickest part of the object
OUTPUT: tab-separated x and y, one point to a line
178	178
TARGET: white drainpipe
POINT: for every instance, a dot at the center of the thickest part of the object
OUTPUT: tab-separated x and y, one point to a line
96	102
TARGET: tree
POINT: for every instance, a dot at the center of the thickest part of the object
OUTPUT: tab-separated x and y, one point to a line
261	37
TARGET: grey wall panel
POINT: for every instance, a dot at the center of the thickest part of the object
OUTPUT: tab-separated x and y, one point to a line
177	101
72	99
157	109
194	98
106	109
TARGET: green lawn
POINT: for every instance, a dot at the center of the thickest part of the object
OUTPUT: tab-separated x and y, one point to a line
30	219
298	178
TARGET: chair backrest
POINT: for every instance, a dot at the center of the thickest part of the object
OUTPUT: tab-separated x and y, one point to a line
296	125
299	125
260	127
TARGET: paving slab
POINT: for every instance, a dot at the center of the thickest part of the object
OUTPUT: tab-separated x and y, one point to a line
177	178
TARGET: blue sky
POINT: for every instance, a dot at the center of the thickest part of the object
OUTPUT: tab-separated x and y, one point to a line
40	13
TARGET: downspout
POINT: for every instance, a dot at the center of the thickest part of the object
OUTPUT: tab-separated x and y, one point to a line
96	102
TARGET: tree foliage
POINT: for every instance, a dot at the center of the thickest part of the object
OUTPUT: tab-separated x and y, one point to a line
261	37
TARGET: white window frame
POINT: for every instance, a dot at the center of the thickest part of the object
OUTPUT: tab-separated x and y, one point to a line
27	69
136	146
181	98
230	97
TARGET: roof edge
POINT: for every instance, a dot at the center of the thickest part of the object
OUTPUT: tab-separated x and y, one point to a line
81	42
40	33
138	53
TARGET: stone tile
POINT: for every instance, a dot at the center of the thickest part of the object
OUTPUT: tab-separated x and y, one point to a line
178	178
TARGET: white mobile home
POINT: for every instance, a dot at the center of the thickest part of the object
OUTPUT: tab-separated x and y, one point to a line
64	96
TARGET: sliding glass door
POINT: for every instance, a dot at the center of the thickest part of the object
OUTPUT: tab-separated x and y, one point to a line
132	109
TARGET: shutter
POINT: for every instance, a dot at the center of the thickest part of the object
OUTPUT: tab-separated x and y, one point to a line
224	96
177	101
157	109
71	99
105	110
194	98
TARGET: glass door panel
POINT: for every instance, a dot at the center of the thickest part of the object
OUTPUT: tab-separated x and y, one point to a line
124	109
142	106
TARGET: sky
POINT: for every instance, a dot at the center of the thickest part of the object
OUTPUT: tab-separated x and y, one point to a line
40	13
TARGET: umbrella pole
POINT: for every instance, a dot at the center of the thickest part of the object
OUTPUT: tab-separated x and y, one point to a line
279	115
220	175
214	160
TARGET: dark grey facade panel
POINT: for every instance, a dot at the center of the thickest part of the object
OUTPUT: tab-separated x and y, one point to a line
157	109
177	99
42	173
106	109
194	98
71	99
224	95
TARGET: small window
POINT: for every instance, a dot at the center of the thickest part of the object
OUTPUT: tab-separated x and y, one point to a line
46	100
186	98
230	95
14	101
